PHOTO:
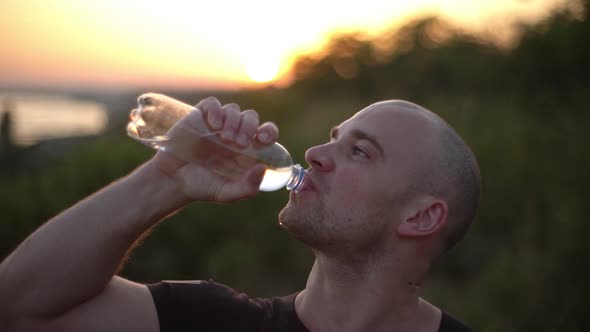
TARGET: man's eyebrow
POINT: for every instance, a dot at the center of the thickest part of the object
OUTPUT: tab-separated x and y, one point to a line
360	135
334	132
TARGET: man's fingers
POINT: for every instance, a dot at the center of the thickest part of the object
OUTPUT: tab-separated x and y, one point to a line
248	124
267	133
235	126
246	187
212	112
232	122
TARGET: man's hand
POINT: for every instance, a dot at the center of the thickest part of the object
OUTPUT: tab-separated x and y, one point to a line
234	127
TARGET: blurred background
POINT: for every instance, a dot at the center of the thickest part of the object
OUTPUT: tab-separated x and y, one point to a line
512	76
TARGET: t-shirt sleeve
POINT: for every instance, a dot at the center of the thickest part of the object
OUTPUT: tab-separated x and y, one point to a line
450	324
204	306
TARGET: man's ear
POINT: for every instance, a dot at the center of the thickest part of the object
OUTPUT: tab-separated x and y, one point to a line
424	218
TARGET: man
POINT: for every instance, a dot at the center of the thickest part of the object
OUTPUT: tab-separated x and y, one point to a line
392	190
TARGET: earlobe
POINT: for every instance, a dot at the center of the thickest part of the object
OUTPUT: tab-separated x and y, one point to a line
425	221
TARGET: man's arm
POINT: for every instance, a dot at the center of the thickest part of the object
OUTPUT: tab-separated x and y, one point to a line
73	257
61	277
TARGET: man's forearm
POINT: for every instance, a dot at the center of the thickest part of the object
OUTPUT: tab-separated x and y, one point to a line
72	257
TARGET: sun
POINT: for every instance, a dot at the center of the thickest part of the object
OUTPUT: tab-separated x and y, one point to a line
262	70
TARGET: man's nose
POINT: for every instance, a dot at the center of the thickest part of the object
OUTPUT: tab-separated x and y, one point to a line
319	158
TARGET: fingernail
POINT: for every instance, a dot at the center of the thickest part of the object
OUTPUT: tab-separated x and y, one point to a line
263	137
215	121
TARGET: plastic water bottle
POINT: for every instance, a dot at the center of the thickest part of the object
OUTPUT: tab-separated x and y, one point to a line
168	125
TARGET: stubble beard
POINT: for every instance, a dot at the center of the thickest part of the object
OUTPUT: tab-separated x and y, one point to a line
303	223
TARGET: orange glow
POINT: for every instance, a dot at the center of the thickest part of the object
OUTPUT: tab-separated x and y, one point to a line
201	44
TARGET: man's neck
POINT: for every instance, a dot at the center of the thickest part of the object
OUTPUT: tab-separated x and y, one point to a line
364	297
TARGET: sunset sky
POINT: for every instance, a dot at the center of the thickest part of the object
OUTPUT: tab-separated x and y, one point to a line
208	44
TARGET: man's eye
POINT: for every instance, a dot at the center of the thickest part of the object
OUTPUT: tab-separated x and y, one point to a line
356	151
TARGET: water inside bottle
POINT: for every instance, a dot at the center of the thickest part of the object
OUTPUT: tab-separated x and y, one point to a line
275	179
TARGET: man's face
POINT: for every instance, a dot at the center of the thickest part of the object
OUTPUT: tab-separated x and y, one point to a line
355	185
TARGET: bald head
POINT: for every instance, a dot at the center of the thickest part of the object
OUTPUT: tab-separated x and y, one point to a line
454	174
445	166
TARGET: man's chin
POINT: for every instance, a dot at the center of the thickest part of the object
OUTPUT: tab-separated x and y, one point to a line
286	215
291	219
297	223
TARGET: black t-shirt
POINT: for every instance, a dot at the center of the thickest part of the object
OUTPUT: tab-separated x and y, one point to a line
210	306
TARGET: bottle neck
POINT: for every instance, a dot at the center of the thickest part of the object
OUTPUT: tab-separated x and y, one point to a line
296	179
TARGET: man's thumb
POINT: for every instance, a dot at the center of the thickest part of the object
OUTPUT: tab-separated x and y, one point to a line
253	178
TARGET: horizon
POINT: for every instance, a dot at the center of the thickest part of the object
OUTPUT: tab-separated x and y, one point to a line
106	45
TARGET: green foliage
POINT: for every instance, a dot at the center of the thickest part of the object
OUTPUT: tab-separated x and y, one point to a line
522	267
